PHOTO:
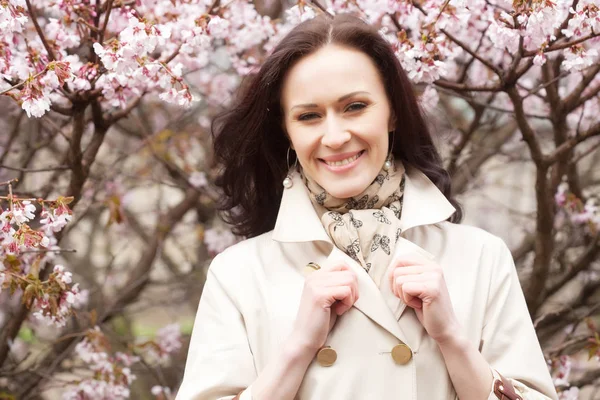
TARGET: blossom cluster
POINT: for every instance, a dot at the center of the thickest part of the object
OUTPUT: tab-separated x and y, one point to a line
112	375
112	371
561	369
152	46
131	50
583	214
22	251
167	342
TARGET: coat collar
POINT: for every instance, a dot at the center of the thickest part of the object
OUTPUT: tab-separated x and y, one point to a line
298	221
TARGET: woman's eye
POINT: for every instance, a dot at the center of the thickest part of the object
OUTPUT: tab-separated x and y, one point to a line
356	106
306	117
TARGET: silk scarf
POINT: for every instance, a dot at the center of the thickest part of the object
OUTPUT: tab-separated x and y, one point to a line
367	226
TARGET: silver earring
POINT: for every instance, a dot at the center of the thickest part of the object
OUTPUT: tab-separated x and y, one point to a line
388	162
287	182
387	165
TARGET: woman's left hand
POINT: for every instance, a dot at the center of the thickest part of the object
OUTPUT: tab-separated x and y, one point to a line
419	282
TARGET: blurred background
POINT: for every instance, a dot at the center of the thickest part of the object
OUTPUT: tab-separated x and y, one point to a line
106	169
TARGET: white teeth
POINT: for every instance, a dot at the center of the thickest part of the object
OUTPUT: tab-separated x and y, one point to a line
344	162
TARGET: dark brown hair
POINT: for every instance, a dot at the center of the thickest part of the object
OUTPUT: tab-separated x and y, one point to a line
250	144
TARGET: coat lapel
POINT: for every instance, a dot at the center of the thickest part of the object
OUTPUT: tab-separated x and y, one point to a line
403	247
370	302
298	222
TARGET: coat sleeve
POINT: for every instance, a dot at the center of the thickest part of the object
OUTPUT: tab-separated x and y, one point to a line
219	362
509	342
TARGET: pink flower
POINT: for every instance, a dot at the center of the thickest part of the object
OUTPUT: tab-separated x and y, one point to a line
181	97
62	275
23	211
571	394
217	240
198	179
168	338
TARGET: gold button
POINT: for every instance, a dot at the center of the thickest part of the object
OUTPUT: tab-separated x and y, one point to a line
401	354
311	267
326	356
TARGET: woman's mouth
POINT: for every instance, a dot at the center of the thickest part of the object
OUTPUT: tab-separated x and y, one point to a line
344	164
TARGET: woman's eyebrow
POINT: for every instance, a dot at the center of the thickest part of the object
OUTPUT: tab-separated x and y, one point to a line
344	97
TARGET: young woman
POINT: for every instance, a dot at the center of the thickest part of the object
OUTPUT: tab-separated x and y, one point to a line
356	281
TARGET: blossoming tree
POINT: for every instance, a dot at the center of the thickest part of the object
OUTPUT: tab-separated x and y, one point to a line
105	163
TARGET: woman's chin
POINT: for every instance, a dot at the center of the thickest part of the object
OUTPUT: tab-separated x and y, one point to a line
341	190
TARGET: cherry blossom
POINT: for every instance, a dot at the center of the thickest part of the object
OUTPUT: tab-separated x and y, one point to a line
217	240
113	373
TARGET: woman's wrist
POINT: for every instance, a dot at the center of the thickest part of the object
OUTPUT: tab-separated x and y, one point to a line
298	350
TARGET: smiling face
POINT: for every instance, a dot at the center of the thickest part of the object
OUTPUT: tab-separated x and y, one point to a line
337	116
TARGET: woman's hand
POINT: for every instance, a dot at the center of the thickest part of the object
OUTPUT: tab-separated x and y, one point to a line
419	282
328	293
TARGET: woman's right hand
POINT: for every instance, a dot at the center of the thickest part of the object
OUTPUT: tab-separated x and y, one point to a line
328	293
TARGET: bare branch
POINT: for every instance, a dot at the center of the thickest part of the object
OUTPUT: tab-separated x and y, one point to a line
571	143
57	168
473	54
39	31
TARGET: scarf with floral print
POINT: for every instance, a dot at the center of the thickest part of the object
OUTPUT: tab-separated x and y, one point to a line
366	226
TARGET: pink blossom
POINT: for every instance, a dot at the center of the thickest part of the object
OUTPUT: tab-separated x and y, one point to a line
540	59
217	240
563	369
577	58
181	97
198	179
23	211
62	275
54	220
571	394
168	338
560	198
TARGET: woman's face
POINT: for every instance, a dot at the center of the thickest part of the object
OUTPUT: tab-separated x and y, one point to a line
337	116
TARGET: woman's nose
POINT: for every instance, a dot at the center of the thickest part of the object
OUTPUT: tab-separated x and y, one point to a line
335	135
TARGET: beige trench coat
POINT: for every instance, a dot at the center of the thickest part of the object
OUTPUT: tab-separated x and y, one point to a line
253	291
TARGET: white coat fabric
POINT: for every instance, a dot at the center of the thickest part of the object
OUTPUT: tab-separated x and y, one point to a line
253	289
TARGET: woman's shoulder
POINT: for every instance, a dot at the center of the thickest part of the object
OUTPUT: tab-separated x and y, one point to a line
239	257
472	235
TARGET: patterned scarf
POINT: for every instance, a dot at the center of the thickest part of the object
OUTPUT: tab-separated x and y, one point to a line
367	226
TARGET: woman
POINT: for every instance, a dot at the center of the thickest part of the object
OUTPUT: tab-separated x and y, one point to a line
356	282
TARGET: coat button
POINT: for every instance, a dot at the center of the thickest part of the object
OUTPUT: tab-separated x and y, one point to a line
311	267
326	356
401	354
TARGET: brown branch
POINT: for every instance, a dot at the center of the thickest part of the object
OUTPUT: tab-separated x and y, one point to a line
57	168
582	263
563	46
490	145
105	24
113	118
572	100
39	31
137	227
67	111
465	139
571	143
459	87
544	241
526	130
524	248
473	54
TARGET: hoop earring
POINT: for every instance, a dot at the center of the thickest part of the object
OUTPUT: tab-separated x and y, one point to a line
388	162
287	182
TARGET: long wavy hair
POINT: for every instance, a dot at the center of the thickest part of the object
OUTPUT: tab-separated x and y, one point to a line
250	144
